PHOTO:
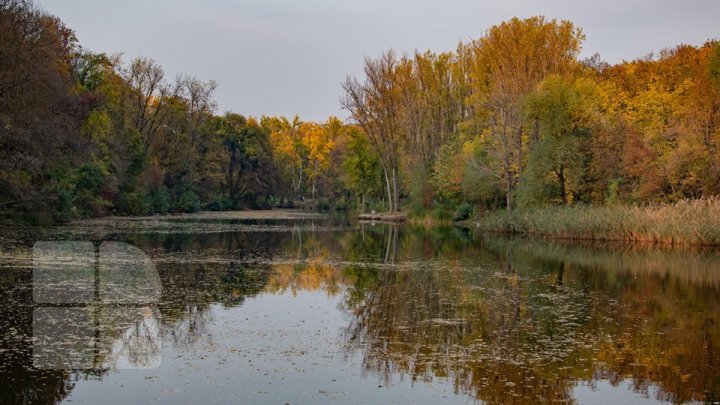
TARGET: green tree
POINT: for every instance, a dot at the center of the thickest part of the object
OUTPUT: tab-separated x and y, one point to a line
363	173
564	109
246	159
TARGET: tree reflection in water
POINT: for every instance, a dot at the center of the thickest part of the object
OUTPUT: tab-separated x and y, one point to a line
525	321
502	320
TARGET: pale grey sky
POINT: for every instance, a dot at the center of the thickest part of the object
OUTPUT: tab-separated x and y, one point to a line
287	57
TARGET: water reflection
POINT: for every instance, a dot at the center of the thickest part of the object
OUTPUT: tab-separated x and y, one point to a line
499	320
522	321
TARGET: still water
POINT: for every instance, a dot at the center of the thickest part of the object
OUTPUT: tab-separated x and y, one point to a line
327	311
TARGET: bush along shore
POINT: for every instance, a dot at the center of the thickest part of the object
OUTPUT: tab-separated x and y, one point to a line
687	222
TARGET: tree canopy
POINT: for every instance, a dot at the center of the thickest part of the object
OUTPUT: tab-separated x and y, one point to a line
512	118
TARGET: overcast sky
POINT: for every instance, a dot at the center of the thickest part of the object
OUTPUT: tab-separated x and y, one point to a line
287	57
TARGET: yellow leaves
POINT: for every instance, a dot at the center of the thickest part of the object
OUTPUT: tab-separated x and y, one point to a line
316	139
469	147
654	108
282	143
612	99
449	169
304	148
668	102
516	54
284	138
308	139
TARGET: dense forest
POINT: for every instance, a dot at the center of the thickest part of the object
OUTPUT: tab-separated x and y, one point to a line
512	119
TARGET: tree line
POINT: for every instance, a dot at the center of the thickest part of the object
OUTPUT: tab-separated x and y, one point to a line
515	119
511	119
88	134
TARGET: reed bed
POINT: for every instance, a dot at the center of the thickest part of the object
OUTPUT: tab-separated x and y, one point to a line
687	222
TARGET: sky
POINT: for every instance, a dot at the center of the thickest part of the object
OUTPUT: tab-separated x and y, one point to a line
287	57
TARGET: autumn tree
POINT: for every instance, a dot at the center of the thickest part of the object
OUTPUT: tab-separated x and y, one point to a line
565	109
147	99
375	105
512	116
433	100
509	61
289	150
670	109
316	140
39	111
362	169
246	159
185	144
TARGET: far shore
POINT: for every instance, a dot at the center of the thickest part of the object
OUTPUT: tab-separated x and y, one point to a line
273	214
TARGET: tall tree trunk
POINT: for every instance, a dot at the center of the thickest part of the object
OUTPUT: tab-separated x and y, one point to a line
561	179
299	184
507	160
231	179
536	131
396	197
508	183
389	192
314	179
519	147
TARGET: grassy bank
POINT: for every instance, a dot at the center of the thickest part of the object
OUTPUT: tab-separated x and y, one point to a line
695	222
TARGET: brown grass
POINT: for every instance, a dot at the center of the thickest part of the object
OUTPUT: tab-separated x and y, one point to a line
687	222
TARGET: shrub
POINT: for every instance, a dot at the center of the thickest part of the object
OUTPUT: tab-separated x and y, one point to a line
135	203
160	201
66	205
323	204
442	213
341	204
222	203
187	201
463	212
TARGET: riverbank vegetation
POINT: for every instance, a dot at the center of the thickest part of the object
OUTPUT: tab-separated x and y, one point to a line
687	222
514	120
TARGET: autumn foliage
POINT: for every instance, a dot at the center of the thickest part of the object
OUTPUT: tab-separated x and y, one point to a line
512	119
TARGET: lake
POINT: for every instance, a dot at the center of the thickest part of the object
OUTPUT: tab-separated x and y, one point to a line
293	309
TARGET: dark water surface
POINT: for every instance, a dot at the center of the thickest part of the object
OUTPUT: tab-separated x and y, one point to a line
325	311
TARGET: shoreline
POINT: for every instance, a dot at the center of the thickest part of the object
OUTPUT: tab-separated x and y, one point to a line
271	214
692	223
